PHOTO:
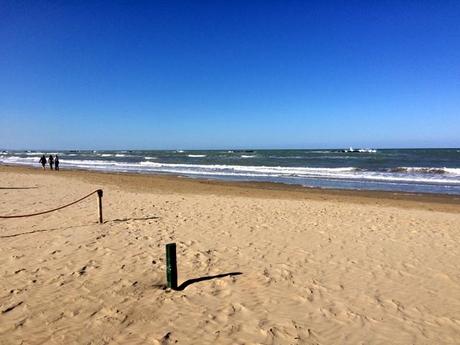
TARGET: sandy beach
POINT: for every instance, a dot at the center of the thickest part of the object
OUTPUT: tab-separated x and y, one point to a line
258	263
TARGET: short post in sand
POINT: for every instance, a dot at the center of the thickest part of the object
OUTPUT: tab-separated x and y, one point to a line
99	204
171	266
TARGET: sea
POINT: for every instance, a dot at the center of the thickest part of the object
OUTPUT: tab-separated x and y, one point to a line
397	170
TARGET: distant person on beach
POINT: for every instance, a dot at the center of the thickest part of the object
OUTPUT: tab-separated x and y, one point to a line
51	161
56	162
43	161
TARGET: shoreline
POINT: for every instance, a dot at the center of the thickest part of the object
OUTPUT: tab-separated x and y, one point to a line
402	171
169	183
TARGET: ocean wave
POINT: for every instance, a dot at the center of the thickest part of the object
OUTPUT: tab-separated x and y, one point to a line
351	150
120	155
288	157
349	173
451	176
196	156
247	156
34	153
425	170
37	154
19	159
455	171
89	162
147	157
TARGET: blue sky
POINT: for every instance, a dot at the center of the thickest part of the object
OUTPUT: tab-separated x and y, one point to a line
229	74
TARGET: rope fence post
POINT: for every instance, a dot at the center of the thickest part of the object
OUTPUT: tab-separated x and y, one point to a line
171	266
99	204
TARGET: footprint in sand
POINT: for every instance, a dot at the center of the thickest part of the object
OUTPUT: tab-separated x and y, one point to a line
168	339
12	307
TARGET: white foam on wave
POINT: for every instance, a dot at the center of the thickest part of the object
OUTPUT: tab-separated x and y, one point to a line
430	170
196	156
150	157
454	171
19	160
90	162
295	172
106	155
40	153
242	170
247	156
286	157
120	155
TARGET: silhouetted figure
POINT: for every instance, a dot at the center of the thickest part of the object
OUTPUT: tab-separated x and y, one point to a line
43	161
51	161
56	162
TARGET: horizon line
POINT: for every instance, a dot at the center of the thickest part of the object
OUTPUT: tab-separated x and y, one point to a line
235	149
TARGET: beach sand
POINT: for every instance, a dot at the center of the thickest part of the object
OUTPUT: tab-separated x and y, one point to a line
317	267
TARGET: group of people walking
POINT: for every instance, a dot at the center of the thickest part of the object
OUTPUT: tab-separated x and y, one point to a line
51	161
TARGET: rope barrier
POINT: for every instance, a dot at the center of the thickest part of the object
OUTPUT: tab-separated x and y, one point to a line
99	193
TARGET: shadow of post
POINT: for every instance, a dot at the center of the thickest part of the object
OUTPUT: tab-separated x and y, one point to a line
185	284
133	218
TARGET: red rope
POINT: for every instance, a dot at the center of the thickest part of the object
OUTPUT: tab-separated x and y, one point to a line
54	209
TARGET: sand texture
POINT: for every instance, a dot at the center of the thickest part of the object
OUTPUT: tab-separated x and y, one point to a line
278	265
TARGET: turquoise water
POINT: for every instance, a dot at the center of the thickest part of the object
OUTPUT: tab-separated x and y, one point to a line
405	170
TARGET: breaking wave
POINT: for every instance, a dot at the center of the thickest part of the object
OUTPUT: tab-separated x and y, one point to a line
425	170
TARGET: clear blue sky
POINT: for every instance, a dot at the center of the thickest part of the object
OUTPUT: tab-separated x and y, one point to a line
229	74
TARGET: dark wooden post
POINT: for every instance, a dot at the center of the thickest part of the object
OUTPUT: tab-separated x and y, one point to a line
99	204
171	266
